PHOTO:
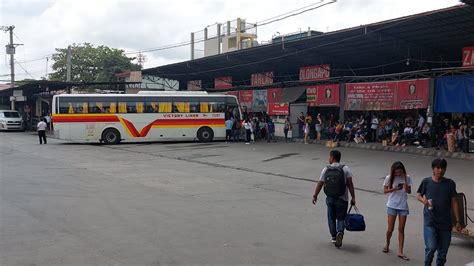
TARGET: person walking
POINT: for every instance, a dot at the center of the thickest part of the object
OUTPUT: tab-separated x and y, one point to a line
287	128
438	195
41	127
398	186
336	179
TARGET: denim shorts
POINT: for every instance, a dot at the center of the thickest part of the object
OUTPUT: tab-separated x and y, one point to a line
397	212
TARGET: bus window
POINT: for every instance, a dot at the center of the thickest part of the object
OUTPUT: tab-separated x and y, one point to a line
165	107
151	105
105	105
72	105
181	107
194	107
140	107
122	107
131	104
204	107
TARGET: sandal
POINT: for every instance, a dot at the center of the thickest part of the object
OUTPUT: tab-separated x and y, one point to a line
403	257
385	250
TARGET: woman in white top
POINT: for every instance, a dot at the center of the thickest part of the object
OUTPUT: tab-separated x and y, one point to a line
398	186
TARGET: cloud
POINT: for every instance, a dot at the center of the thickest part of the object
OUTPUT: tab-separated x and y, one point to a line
134	25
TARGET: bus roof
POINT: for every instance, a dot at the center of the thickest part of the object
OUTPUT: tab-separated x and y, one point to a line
148	93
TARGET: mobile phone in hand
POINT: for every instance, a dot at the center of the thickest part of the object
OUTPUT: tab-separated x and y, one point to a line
400	186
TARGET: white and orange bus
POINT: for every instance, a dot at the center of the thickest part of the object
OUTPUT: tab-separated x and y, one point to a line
146	116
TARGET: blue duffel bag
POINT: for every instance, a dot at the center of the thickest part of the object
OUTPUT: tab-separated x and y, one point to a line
354	221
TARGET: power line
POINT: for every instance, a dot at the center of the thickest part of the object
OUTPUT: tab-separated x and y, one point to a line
261	23
26	71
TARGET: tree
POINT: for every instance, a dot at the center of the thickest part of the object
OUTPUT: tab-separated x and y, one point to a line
91	64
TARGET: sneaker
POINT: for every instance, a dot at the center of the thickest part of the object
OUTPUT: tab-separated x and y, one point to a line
419	147
333	240
339	238
247	142
416	143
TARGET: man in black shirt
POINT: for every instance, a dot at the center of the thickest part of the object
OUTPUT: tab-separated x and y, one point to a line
438	195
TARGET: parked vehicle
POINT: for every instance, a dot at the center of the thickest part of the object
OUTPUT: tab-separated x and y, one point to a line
11	120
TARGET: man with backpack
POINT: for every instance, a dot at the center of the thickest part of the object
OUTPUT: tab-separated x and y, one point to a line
336	179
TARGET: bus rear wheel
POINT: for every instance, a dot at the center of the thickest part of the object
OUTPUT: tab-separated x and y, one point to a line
205	134
111	136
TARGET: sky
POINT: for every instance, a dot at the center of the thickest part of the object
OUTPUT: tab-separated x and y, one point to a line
134	25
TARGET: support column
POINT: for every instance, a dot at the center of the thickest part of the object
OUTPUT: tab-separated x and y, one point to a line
192	45
342	100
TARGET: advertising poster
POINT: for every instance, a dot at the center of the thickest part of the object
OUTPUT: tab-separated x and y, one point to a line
259	101
468	56
323	95
392	95
246	100
274	106
194	85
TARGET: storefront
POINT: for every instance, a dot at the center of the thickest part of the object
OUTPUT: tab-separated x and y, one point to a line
402	101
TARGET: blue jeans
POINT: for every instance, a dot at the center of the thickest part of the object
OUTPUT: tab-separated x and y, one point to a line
436	240
337	210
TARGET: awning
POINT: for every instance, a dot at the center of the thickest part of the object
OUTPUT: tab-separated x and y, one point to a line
289	95
455	94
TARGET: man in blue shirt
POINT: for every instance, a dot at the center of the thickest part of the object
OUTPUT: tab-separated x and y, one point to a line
228	129
438	195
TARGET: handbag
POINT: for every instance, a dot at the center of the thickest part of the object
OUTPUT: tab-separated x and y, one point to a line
354	221
290	134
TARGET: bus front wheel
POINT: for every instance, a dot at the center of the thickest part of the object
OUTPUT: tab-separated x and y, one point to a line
111	136
205	134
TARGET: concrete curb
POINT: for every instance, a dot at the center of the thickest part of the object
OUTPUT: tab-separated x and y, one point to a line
379	147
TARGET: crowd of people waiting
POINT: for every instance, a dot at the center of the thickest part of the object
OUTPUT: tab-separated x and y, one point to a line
388	131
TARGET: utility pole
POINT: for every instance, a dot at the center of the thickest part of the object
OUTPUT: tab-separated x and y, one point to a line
10	49
68	68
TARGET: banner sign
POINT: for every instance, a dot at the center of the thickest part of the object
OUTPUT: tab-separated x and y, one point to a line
468	56
320	72
391	95
274	106
454	94
259	101
261	79
246	100
194	85
323	95
222	83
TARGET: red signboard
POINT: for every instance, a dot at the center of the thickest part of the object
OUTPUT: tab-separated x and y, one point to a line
246	99
221	83
261	79
392	95
468	56
320	72
274	106
323	95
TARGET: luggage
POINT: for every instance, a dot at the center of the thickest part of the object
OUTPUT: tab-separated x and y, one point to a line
354	221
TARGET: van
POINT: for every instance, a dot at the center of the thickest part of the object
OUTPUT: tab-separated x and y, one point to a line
11	120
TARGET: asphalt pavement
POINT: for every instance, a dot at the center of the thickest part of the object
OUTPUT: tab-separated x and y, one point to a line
198	204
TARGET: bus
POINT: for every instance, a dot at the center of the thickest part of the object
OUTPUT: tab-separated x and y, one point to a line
142	117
